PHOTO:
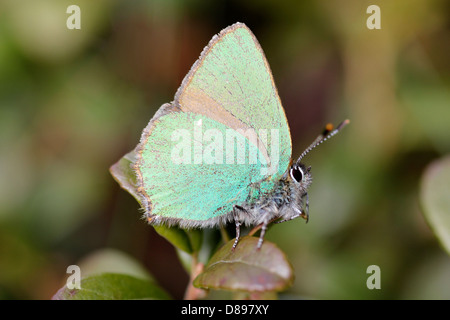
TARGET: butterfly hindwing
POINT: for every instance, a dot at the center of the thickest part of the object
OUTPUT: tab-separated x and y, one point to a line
187	180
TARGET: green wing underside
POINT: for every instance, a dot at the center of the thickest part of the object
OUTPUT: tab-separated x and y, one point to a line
228	91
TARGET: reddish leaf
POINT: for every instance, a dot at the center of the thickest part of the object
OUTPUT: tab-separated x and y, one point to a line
246	268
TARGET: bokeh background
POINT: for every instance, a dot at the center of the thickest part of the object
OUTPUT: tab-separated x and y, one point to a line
72	102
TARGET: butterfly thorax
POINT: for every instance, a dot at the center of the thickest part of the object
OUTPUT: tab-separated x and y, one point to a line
286	201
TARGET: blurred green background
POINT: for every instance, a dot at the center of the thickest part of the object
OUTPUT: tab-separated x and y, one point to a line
72	102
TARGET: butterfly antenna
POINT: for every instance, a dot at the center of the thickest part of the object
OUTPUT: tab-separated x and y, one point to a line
327	133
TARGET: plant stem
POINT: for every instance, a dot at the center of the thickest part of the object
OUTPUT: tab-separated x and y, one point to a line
193	293
224	234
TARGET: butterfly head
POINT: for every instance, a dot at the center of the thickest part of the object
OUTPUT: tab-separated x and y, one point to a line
300	175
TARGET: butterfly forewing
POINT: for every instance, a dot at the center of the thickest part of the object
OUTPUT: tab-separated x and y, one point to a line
232	83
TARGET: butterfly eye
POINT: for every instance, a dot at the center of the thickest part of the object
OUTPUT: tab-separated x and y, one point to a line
296	173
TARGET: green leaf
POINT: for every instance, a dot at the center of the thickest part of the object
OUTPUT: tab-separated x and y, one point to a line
122	172
195	239
246	268
110	260
176	236
112	286
186	240
435	199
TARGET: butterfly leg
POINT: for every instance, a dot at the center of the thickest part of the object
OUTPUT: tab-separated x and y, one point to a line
291	218
238	224
261	236
306	214
300	213
238	234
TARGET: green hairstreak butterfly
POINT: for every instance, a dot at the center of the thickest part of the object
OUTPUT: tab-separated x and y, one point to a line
221	151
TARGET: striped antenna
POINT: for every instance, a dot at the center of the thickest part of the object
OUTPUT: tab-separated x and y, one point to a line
327	133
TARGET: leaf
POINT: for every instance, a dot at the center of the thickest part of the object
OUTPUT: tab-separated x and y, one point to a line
186	240
255	295
112	286
122	172
246	268
195	239
110	260
435	199
180	238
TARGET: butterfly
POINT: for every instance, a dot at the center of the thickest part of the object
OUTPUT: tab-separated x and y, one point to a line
220	152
